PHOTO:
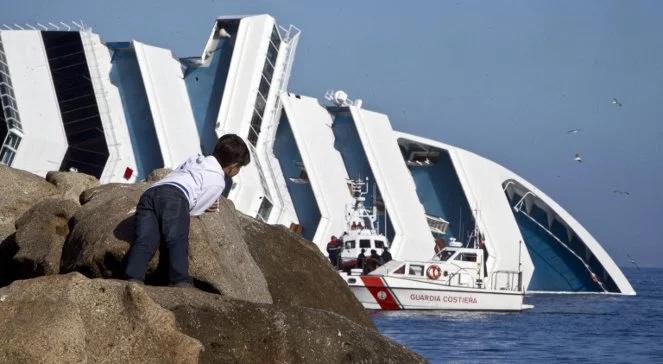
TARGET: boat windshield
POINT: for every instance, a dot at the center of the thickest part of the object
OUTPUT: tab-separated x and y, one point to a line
446	254
350	244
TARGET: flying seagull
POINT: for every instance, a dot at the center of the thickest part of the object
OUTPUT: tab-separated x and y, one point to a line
616	102
633	261
578	158
574	131
621	192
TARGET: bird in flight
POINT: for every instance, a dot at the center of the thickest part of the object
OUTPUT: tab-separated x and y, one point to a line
633	261
618	192
578	158
573	131
616	102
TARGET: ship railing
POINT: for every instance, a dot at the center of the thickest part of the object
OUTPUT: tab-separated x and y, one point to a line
506	280
59	26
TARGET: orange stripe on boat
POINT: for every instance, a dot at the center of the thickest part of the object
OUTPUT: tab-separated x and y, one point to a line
380	292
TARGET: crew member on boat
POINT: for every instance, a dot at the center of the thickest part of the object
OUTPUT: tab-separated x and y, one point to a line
385	257
334	249
361	259
373	262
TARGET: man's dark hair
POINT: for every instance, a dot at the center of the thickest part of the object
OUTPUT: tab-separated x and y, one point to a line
231	149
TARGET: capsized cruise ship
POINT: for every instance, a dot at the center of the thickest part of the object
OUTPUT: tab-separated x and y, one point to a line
118	110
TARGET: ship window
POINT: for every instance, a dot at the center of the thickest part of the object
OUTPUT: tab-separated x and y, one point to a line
365	244
416	270
265	209
350	244
379	244
400	270
467	257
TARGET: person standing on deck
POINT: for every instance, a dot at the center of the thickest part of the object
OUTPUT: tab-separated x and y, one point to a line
385	257
333	249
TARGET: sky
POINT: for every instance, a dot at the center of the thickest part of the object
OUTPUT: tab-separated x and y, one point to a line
505	80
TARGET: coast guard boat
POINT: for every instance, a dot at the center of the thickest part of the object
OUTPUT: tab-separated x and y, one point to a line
455	278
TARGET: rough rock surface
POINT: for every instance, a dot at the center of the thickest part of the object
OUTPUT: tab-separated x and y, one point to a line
158	174
19	190
297	273
219	259
220	256
244	332
72	319
40	236
102	230
70	185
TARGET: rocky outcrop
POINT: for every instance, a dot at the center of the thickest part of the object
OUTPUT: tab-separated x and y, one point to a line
242	332
70	185
40	236
72	319
271	296
297	273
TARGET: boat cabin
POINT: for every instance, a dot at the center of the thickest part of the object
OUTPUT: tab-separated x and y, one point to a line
453	266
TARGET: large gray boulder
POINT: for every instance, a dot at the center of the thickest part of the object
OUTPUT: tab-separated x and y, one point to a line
219	256
102	230
243	332
298	273
219	259
70	185
72	319
19	190
40	236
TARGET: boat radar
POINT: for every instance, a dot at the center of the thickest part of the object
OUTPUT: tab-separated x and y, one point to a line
340	98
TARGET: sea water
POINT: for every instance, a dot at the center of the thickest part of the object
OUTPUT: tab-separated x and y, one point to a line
562	328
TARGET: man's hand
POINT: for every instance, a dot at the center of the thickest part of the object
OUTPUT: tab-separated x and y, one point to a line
214	207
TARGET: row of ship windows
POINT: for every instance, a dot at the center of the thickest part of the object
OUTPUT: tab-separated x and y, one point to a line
263	87
10	135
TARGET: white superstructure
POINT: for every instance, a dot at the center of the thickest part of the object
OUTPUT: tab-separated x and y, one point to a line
119	110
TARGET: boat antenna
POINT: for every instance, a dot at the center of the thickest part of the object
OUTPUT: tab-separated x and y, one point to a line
520	270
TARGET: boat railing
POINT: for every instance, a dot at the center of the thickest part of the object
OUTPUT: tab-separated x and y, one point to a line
461	273
506	280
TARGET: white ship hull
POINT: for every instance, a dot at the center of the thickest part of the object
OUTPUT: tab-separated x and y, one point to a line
378	292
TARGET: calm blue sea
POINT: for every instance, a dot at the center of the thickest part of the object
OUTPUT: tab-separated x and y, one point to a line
560	328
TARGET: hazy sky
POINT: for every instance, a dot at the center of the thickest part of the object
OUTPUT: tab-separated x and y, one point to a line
505	79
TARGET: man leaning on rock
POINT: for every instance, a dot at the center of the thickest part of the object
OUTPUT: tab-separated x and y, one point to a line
163	211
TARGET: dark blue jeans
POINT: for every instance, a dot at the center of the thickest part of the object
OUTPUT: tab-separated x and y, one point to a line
162	215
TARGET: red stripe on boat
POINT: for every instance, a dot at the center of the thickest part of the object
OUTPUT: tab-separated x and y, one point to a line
380	292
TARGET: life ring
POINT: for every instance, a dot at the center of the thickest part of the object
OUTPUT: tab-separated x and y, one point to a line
433	272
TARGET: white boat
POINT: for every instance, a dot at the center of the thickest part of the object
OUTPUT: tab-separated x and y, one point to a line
455	278
452	280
